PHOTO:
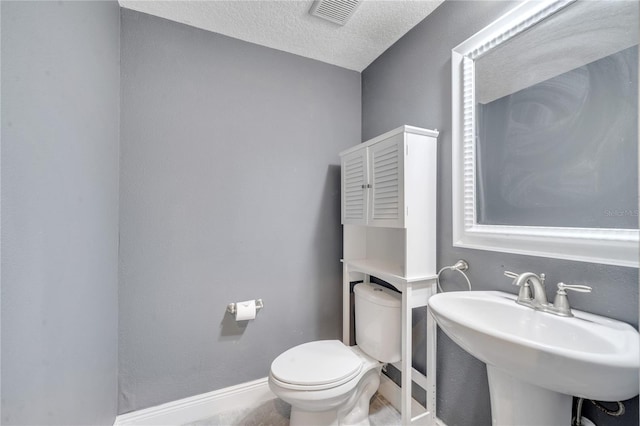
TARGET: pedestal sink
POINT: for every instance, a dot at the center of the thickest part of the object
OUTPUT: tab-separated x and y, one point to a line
535	360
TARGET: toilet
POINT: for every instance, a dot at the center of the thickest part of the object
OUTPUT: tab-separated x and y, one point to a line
329	383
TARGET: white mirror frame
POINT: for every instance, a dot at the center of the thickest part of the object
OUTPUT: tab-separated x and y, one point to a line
596	245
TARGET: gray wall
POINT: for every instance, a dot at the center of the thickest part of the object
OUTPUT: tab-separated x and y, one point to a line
229	191
411	84
60	125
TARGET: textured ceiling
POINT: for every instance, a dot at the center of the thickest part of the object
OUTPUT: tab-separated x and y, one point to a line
286	25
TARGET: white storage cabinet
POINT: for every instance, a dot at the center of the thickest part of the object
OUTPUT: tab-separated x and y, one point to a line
389	217
373	182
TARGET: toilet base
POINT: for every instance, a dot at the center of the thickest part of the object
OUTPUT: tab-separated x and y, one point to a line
320	418
354	412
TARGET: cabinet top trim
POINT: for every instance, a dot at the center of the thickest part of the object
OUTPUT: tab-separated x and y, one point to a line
401	129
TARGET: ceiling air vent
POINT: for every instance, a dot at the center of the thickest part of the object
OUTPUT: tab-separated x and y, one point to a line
336	11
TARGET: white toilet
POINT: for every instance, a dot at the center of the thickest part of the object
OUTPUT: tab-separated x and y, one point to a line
329	383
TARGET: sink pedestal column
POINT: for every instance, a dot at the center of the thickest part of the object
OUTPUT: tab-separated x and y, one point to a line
518	403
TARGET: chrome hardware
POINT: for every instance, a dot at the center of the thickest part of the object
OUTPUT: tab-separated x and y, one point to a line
231	307
461	265
510	274
561	302
574	287
532	292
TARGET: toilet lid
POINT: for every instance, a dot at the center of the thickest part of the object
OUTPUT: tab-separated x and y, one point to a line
317	363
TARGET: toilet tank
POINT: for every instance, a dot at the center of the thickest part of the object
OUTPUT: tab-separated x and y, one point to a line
378	327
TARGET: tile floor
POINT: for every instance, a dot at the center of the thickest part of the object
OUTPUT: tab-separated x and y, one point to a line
276	412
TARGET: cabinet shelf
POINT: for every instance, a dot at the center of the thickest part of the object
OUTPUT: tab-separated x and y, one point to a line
386	271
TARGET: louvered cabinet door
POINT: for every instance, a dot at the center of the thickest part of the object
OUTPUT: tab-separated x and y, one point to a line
354	188
386	195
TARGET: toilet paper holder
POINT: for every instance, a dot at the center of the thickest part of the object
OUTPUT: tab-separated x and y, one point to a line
231	307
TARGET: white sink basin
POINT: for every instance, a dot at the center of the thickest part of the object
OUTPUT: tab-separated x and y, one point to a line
588	355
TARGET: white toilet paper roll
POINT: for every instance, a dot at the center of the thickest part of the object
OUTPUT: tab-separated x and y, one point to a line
245	310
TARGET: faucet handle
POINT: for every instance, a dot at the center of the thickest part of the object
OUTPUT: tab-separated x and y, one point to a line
561	303
510	274
575	287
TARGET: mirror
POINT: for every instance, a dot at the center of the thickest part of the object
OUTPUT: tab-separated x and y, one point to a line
545	133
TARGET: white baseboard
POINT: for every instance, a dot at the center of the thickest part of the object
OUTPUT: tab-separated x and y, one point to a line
200	406
243	395
392	393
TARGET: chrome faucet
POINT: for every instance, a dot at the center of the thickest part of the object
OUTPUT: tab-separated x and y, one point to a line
532	293
561	303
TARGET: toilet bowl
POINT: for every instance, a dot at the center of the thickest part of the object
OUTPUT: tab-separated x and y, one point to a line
328	383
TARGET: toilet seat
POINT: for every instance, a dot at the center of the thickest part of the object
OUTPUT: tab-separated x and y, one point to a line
316	365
